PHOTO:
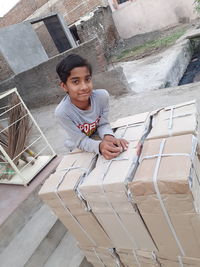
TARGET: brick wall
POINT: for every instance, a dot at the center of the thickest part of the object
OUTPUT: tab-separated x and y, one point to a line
100	25
72	10
78	8
21	11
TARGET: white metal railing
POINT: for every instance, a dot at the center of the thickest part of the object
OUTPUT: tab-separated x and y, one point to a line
37	141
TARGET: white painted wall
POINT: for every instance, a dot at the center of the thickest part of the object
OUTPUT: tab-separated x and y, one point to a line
141	16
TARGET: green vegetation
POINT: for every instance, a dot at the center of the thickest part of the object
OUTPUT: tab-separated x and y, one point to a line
197	5
148	47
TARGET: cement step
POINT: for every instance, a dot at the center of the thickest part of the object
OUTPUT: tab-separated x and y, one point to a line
18	218
26	242
67	254
47	246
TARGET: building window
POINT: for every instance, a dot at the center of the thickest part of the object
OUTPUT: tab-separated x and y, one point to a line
121	1
115	4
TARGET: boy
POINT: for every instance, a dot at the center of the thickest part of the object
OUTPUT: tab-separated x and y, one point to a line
84	112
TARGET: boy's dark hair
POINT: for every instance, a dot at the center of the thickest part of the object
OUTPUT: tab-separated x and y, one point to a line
70	62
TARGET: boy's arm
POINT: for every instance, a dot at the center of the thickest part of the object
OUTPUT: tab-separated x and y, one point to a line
104	127
77	139
104	130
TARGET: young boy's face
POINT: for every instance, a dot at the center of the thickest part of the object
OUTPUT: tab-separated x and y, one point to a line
79	85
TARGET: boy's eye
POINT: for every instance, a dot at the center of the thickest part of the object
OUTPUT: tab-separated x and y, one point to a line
75	81
88	79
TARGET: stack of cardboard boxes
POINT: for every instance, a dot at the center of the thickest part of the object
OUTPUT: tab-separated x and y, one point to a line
135	212
61	194
166	185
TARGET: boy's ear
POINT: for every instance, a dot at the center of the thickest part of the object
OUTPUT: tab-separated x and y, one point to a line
64	86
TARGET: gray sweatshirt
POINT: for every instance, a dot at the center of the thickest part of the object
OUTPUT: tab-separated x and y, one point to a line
80	124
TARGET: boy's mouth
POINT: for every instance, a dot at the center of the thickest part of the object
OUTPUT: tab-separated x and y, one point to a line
85	94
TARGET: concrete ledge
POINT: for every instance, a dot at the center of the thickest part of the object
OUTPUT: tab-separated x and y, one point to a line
47	246
19	203
158	71
67	254
26	242
113	80
148	101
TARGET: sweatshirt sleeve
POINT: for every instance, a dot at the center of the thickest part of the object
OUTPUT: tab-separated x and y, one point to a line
104	125
75	138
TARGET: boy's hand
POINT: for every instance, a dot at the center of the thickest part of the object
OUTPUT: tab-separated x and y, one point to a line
122	143
111	147
109	150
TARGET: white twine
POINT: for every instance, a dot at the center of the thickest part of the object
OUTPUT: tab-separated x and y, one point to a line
77	190
110	204
171	117
107	200
182	105
180	261
63	204
96	254
159	156
164	155
136	258
154	257
155	175
115	256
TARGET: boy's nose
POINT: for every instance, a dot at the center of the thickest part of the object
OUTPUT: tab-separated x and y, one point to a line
84	86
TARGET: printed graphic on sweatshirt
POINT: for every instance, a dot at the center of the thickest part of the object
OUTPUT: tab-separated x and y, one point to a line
89	128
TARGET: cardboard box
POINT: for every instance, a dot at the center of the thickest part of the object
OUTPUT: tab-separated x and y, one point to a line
133	128
130	258
105	189
175	120
101	256
141	118
171	212
183	261
147	259
60	193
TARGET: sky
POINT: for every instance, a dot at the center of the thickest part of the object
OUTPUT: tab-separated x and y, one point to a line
6	5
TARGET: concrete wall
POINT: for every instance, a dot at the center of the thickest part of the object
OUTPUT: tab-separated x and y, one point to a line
45	39
141	16
5	70
21	47
40	85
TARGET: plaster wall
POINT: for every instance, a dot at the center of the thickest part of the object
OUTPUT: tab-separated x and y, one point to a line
141	16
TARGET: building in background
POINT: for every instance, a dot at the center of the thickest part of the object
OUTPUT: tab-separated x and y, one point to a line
133	17
86	20
107	20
